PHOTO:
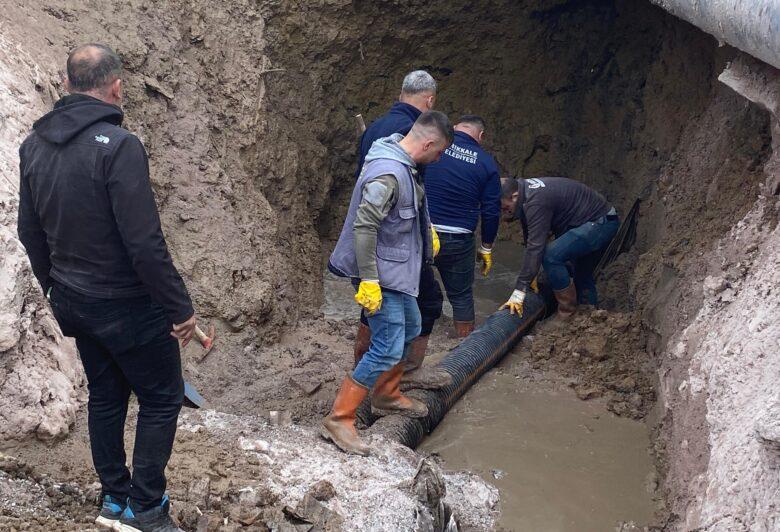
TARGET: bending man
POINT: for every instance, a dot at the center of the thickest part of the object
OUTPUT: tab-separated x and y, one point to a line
384	243
583	223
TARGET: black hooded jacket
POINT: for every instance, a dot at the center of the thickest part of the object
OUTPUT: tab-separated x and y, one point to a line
87	215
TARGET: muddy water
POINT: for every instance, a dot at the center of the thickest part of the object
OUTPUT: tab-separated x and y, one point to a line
561	464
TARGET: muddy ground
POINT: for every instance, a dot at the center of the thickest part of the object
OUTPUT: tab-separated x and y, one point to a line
298	377
246	110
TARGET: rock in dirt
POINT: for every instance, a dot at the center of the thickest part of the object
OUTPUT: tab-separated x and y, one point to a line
310	510
595	346
714	285
587	393
626	385
306	385
198	492
429	486
767	428
322	491
155	86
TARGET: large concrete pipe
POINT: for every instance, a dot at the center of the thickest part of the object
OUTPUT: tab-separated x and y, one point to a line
752	26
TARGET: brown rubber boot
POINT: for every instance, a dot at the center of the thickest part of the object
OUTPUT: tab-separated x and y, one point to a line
418	377
567	302
339	426
387	398
362	341
463	328
416	353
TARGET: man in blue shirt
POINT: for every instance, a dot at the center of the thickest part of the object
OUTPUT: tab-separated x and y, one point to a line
418	94
463	187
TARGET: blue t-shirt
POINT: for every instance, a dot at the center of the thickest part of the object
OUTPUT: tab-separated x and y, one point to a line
464	185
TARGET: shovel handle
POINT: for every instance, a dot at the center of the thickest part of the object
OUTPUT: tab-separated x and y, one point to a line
361	124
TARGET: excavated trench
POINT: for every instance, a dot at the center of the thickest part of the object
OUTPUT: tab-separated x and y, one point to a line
247	109
608	93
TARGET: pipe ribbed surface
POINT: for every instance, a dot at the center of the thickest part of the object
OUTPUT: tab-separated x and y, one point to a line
467	362
752	26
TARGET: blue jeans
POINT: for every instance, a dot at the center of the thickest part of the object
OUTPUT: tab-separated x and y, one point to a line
429	300
580	249
125	345
455	262
393	327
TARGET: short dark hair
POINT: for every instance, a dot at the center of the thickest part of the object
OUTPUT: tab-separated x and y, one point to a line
475	120
92	66
438	121
509	185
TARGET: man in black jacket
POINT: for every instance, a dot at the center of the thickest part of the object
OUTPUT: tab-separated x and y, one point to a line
583	223
89	222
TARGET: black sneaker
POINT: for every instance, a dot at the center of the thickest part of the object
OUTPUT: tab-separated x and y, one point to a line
110	511
154	520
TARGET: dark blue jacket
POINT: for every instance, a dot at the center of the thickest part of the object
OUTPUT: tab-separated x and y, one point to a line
399	119
463	185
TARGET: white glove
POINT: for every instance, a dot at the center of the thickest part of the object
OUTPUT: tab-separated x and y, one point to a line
515	302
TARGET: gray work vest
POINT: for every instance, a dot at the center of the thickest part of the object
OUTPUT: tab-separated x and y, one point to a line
400	247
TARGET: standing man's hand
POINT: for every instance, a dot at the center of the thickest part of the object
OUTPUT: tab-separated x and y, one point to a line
515	303
485	256
369	296
184	331
436	241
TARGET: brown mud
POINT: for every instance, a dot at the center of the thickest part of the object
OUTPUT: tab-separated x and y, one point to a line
561	464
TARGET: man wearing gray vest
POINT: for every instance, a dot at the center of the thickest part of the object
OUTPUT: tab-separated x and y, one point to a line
384	243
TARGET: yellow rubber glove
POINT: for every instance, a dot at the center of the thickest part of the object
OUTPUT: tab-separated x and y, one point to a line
515	303
436	242
535	286
369	296
485	256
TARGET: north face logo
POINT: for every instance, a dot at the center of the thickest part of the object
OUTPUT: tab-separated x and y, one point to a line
102	138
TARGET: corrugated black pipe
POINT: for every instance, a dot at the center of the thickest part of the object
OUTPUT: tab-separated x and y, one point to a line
467	362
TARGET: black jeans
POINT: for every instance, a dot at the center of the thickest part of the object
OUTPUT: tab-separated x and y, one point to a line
125	345
429	301
456	262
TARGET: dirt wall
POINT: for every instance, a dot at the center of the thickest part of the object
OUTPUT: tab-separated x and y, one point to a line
41	381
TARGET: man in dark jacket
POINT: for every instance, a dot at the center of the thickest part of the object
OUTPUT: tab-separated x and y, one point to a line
583	223
89	222
463	187
418	94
